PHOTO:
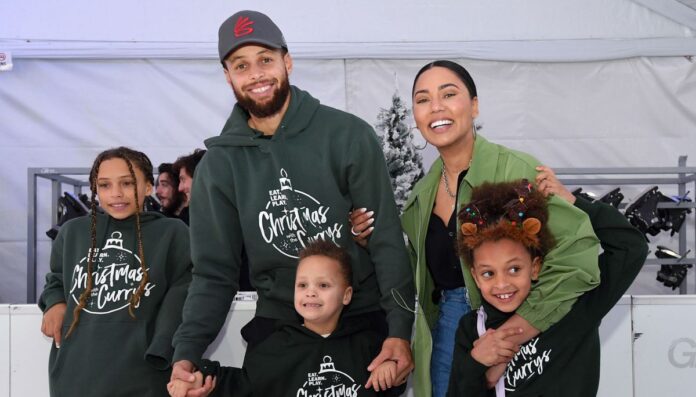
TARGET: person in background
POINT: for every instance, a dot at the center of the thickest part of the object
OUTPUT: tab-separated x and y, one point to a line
167	191
184	167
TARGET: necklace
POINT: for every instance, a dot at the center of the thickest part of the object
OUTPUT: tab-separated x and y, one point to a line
447	188
446	180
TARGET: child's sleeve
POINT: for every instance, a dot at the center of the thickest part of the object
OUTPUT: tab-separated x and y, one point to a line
229	381
160	351
625	250
468	376
53	291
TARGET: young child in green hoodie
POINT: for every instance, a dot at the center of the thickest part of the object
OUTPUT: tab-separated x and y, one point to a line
115	288
326	351
505	236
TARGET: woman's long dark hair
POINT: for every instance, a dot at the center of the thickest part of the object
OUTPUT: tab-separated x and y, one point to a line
455	68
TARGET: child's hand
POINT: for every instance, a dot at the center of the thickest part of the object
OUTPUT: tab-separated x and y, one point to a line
205	390
492	347
383	377
548	184
52	323
493	374
179	388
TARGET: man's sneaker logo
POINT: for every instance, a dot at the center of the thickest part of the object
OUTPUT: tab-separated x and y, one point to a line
243	27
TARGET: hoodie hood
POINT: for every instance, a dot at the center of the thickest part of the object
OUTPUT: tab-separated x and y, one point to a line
297	118
347	325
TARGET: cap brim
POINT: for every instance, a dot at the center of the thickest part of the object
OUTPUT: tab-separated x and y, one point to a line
243	42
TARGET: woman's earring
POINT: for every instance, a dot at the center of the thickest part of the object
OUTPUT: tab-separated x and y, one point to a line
416	146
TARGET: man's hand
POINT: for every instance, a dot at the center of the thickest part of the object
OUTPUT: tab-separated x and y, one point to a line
398	350
179	388
183	370
492	348
52	323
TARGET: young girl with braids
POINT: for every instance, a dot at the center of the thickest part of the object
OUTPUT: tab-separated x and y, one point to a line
505	236
117	282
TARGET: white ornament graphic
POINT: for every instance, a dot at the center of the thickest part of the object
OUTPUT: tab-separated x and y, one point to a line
292	218
116	275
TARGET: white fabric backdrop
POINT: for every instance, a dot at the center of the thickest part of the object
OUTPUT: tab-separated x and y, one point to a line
530	30
60	113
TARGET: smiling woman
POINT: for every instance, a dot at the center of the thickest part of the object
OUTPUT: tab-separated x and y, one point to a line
445	106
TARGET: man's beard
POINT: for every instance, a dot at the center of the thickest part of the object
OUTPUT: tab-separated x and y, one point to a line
268	108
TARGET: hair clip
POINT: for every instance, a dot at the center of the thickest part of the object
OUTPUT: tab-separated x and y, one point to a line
473	214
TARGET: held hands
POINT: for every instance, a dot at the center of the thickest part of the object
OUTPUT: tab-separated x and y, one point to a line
52	323
549	185
492	348
179	388
395	350
184	382
360	221
383	377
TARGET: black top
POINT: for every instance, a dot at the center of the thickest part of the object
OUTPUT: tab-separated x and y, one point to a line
440	252
294	361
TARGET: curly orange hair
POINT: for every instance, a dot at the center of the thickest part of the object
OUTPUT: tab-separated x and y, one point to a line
505	210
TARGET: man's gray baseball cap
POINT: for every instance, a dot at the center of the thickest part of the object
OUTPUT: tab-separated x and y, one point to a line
248	27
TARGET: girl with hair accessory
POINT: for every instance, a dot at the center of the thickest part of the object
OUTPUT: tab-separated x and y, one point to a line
445	107
505	238
115	288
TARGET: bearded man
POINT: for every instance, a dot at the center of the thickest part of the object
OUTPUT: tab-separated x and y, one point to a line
286	171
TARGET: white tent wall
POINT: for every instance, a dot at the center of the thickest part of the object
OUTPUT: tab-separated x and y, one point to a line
576	83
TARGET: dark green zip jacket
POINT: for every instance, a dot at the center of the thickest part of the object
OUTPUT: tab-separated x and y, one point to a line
109	353
273	196
564	359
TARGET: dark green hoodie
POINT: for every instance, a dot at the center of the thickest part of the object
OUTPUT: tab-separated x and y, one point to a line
109	353
273	195
563	360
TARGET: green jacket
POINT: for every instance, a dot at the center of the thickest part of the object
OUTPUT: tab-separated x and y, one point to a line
274	195
569	269
110	353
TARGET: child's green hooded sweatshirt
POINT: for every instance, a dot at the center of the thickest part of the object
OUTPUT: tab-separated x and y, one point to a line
110	353
273	196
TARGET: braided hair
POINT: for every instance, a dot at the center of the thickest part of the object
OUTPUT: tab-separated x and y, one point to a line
143	163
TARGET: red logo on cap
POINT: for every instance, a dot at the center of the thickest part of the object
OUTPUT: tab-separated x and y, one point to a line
243	27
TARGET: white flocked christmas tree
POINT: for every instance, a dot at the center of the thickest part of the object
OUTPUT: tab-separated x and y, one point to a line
404	162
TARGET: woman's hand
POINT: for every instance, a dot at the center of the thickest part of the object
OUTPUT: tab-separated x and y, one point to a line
548	184
493	348
360	221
